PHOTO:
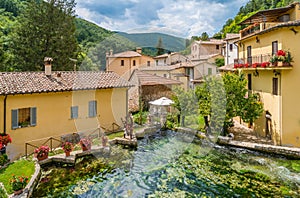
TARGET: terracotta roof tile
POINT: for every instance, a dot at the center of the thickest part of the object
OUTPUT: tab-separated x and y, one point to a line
149	79
126	54
38	82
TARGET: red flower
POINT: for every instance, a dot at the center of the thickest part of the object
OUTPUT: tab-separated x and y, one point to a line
5	139
280	53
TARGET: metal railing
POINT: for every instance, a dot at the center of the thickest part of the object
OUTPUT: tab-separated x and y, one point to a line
254	59
48	142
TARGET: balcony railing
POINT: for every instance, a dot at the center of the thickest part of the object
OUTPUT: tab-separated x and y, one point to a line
257	27
259	61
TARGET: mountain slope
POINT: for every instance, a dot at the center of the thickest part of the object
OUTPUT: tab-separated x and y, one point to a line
150	40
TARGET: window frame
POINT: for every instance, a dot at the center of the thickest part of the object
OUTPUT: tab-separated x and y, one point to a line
274	47
275	86
15	118
92	111
74	112
249	82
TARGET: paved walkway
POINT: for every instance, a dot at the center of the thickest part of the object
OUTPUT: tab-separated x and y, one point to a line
244	134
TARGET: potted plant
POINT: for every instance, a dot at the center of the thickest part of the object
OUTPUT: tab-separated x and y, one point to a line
85	144
67	147
274	60
41	153
18	184
5	139
288	59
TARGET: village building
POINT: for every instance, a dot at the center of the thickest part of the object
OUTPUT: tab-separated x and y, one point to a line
124	63
269	56
230	48
39	105
200	50
169	59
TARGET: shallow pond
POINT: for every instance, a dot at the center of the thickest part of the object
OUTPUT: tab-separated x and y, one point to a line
174	165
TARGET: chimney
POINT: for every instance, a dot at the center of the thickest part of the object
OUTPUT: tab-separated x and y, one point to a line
48	65
139	50
111	52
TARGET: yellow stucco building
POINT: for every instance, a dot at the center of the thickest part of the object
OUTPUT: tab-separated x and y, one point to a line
274	34
39	105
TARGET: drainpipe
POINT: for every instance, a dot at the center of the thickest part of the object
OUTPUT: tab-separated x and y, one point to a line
4	115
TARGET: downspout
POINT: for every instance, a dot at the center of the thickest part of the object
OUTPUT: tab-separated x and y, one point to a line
4	114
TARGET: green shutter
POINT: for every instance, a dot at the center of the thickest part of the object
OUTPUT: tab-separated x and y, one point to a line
33	116
14	119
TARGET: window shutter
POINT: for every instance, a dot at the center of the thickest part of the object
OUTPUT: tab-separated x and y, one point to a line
33	116
92	108
14	119
74	112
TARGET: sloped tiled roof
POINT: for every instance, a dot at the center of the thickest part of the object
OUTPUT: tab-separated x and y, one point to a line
211	42
38	82
126	54
149	79
161	68
280	25
231	36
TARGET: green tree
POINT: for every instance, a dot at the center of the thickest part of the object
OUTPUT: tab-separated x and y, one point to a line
204	36
220	62
159	47
222	100
46	28
184	102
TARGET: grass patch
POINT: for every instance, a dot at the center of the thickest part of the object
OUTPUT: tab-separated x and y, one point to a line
114	135
19	168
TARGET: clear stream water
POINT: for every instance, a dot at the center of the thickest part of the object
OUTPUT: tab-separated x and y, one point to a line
174	165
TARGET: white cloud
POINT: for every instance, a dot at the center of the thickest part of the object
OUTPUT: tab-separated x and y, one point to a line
183	18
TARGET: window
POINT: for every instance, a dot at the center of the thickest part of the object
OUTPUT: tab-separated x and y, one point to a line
249	55
177	78
23	117
156	62
165	75
274	47
275	86
209	71
249	82
133	63
148	63
92	108
231	47
74	112
217	47
165	61
122	62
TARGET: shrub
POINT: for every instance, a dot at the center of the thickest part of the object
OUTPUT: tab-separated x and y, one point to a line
18	183
3	159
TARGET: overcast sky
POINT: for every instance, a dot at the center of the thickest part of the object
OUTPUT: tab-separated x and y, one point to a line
184	18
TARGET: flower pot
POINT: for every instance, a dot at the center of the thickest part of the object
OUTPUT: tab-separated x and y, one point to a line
18	192
68	153
42	157
84	148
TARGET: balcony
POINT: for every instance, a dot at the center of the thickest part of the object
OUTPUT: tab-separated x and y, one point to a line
260	62
257	27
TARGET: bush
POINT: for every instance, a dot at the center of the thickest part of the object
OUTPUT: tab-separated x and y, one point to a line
140	117
3	159
3	193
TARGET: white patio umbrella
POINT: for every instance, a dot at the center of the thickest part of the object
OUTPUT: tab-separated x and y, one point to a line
163	101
